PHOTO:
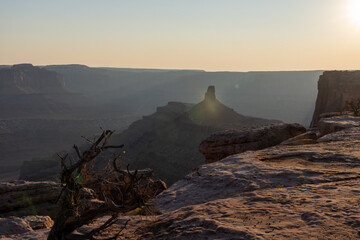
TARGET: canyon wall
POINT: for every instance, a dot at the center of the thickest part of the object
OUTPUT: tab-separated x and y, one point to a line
334	89
27	79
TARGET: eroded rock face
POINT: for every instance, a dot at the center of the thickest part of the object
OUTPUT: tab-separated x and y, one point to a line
226	143
27	79
334	89
21	198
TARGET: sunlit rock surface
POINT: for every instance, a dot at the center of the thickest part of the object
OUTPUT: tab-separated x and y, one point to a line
334	124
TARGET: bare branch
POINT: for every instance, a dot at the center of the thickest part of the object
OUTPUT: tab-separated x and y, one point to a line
77	150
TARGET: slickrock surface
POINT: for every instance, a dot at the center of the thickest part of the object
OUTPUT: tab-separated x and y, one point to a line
283	192
334	89
20	198
222	144
334	124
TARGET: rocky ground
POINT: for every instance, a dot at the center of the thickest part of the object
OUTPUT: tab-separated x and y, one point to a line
296	190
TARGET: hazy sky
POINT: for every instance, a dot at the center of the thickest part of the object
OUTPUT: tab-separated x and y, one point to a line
236	35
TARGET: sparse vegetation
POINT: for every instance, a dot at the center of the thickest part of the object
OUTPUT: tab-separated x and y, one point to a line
353	106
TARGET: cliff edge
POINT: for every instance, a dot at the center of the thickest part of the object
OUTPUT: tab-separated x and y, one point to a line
334	89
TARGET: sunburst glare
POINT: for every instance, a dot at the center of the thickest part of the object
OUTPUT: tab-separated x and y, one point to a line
354	11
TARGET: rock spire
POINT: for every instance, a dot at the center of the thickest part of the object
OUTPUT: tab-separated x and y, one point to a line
210	94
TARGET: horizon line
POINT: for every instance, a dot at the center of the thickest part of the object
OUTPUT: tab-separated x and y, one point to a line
179	69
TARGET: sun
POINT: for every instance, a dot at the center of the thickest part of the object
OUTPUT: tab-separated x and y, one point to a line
354	11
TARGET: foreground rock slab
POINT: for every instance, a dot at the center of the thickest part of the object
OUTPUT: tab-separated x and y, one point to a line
226	143
334	124
309	211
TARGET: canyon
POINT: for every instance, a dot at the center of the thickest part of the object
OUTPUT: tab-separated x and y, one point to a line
303	185
165	141
46	109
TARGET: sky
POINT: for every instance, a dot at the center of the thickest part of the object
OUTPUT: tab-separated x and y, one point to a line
213	35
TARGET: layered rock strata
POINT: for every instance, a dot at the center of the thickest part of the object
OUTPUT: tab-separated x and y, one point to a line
27	79
222	144
334	89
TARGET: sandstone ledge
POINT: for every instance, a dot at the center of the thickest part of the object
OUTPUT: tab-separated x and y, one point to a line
222	144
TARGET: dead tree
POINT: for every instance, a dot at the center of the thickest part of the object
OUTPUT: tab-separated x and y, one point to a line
75	177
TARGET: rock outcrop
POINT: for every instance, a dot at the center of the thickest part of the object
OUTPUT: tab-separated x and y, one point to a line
334	89
212	113
222	144
21	198
210	94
